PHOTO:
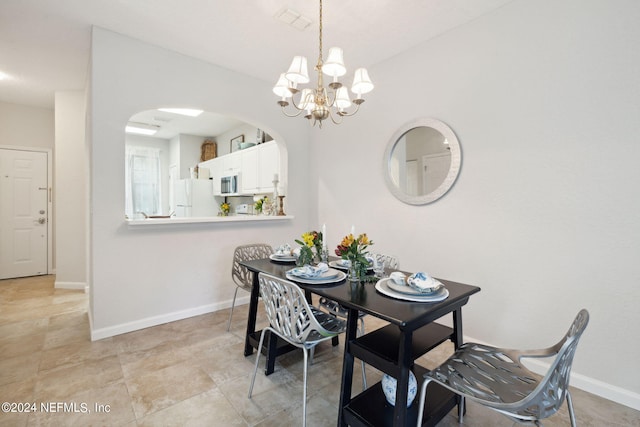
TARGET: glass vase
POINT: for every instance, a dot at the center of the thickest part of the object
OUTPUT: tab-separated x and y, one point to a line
354	271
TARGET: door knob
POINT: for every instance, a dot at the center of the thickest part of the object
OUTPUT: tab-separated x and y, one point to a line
42	220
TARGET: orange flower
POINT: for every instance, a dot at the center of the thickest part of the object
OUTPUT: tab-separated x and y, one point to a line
347	240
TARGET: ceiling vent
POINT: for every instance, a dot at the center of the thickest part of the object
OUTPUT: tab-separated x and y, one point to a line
293	19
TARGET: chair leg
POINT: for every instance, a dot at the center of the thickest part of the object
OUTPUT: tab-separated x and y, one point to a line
461	409
360	333
255	369
364	377
304	389
232	306
572	414
423	395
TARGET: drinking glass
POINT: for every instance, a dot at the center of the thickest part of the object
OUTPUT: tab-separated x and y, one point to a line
378	265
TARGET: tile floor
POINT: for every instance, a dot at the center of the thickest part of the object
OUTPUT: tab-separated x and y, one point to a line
185	373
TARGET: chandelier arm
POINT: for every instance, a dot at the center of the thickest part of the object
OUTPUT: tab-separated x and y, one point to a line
291	115
335	122
352	113
335	95
293	102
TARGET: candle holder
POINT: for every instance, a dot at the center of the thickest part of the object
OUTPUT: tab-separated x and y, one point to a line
281	210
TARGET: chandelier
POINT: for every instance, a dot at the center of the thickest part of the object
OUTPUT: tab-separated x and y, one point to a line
321	103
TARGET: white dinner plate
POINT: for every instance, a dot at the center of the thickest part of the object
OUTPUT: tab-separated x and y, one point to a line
330	276
383	287
282	258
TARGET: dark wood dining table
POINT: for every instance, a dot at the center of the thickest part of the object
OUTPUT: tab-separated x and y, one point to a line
411	331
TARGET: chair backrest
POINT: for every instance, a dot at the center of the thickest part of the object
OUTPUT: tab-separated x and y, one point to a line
289	312
551	392
240	275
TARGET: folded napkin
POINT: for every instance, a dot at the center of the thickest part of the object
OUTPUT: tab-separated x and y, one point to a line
283	250
310	271
423	282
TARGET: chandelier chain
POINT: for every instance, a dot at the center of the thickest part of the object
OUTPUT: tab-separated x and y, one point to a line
320	37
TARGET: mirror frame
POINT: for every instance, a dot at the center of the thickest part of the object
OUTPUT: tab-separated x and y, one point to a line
454	168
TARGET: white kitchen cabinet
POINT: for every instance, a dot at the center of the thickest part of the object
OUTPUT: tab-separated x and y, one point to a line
250	170
256	166
231	163
215	171
268	166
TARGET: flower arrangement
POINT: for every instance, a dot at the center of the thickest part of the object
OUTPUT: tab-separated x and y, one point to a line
259	204
355	250
310	246
224	209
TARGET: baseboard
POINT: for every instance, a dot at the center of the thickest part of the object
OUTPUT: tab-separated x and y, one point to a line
585	383
80	286
593	386
98	334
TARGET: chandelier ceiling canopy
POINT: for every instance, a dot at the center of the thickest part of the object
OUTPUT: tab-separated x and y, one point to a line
322	102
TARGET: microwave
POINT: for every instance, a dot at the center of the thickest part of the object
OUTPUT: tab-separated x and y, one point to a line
229	184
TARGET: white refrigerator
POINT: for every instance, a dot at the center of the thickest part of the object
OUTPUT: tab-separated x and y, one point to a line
194	197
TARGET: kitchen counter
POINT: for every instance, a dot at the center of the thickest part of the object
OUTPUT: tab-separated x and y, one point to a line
204	219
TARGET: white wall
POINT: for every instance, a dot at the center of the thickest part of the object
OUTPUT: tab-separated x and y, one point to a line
224	140
543	97
70	190
151	275
26	126
190	151
30	127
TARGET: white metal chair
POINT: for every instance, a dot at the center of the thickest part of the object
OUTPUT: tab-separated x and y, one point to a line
494	377
295	321
336	309
242	277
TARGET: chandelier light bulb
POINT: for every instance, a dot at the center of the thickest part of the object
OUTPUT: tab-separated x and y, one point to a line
282	87
342	98
361	82
298	72
334	65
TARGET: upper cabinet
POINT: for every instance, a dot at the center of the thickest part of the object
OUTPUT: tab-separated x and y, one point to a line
256	167
268	166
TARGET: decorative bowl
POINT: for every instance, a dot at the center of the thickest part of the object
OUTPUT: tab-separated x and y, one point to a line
389	386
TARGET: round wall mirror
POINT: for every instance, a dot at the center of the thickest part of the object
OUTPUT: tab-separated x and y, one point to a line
422	161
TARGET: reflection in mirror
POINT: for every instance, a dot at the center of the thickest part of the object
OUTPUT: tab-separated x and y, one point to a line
422	161
163	149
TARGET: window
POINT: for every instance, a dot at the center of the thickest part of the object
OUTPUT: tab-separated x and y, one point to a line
142	181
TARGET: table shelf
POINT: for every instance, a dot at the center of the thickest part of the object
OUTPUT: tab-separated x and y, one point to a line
371	409
282	347
379	348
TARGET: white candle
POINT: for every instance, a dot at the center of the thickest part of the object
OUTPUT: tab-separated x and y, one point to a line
353	230
275	177
324	236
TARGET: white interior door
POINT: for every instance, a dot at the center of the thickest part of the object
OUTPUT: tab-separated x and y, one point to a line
435	170
23	213
412	178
